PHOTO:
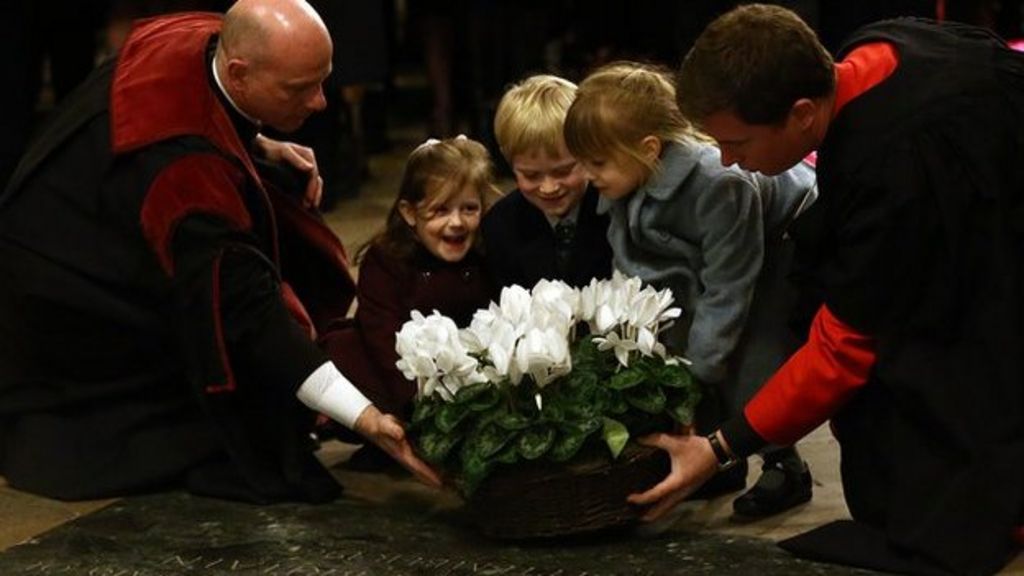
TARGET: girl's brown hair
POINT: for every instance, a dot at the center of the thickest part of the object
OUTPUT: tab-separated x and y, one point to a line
619	105
434	172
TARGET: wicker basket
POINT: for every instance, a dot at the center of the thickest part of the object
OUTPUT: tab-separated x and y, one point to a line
588	494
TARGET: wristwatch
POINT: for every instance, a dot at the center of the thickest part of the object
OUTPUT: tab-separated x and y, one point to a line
725	458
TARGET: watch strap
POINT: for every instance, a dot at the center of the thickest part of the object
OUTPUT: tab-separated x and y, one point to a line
725	459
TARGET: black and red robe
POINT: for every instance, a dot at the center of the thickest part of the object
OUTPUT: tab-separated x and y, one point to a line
916	249
149	337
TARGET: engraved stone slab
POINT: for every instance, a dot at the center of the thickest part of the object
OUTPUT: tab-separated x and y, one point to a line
175	534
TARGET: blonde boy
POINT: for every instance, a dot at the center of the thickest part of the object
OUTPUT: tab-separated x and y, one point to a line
548	227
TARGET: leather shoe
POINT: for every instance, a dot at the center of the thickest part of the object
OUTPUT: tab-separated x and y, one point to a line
779	488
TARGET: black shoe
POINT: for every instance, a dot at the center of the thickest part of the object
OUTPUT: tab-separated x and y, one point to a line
731	480
779	488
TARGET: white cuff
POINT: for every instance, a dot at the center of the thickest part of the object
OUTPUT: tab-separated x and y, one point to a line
328	392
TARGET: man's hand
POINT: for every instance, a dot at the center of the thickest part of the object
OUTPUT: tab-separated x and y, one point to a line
693	463
302	158
386	431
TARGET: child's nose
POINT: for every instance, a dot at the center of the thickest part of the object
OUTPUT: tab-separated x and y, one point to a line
549	184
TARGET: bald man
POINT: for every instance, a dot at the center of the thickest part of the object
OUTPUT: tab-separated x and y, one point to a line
159	298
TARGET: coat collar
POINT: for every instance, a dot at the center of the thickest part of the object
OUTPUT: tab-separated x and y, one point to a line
677	161
162	88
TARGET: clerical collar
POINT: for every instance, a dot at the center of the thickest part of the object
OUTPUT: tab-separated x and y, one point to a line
571	216
227	97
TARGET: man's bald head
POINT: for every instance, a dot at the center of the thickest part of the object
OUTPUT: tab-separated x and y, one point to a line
256	29
272	58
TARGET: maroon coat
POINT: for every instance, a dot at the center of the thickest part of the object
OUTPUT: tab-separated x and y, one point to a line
389	290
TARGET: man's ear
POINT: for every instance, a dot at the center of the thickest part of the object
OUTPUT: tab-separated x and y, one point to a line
408	212
650	148
803	113
237	72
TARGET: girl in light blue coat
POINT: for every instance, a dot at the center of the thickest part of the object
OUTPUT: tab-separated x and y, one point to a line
681	220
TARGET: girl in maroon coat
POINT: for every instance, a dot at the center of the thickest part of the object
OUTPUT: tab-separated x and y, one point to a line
426	259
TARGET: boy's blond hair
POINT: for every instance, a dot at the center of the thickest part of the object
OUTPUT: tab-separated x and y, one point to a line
620	104
531	114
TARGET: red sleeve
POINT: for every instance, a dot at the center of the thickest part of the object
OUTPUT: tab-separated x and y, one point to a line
813	383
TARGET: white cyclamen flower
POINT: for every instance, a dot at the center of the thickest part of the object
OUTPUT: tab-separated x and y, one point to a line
590	299
514	304
647	343
554	299
621	346
431	352
544	355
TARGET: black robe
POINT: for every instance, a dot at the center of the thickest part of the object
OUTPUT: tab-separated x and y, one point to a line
920	245
148	337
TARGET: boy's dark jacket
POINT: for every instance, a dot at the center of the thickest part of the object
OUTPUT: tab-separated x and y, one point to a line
520	243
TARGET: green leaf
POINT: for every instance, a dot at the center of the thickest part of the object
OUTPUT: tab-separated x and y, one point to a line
581	378
626	379
470	392
489	440
553	413
534	442
682	406
583	426
617	404
585	352
484	400
474	471
422	410
434	446
582	411
615	435
566	446
646	364
674	376
682	413
650	399
512	421
507	455
450	415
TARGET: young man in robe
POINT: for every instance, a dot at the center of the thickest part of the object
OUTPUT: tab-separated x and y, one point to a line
913	255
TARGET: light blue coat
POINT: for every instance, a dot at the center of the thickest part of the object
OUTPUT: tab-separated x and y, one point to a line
700	228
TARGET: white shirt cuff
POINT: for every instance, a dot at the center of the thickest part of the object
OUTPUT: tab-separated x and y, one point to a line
328	392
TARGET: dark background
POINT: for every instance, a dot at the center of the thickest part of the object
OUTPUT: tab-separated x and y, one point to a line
439	64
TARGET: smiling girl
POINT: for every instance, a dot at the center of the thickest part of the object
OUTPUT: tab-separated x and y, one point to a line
425	259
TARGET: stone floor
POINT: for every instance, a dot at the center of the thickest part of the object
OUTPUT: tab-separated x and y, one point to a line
24	517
